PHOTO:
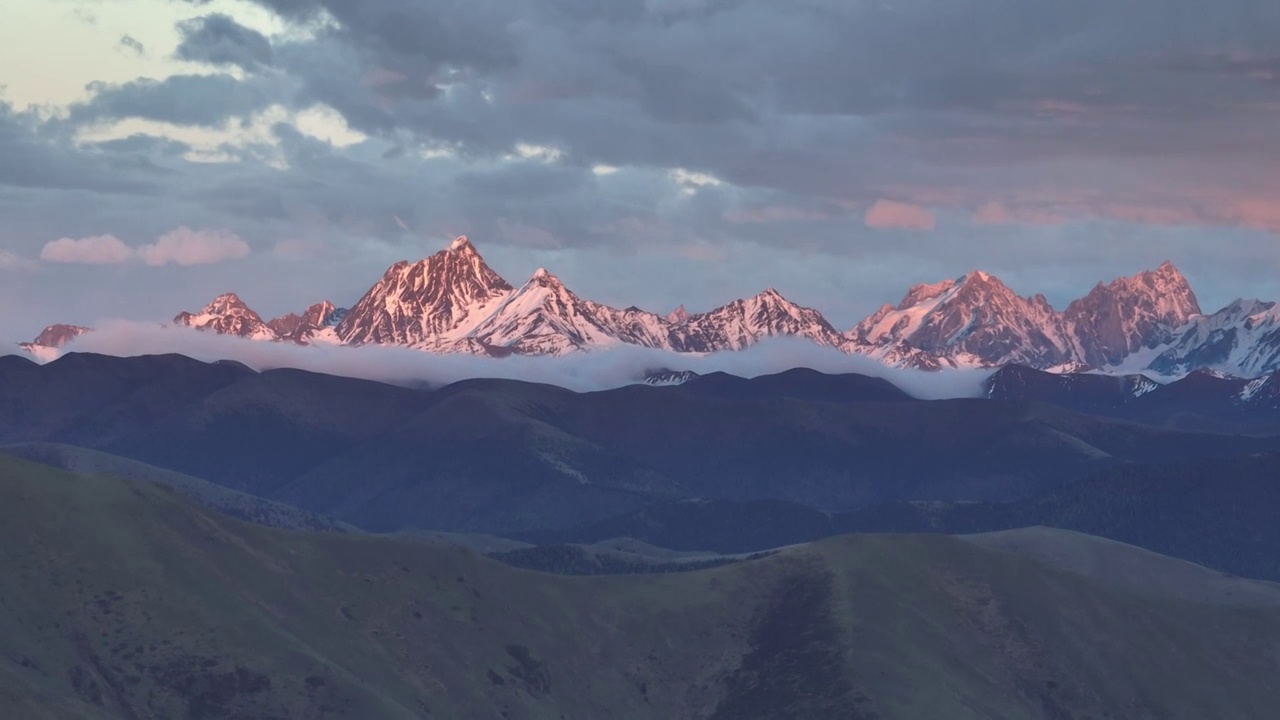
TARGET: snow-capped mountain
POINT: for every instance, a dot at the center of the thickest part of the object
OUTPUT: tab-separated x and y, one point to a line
973	320
1241	339
454	302
45	346
743	323
977	320
431	303
55	336
543	317
316	321
228	315
1116	320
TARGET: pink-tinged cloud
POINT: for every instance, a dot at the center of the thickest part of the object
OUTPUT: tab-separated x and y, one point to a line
1261	213
94	250
997	213
900	216
185	246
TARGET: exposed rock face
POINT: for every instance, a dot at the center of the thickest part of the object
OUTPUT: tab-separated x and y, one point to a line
1113	321
975	319
433	301
228	315
1242	339
304	328
743	323
55	336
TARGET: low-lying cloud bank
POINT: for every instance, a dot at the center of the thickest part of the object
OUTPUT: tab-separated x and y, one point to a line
583	372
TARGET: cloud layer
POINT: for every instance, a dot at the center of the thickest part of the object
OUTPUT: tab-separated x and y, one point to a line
582	372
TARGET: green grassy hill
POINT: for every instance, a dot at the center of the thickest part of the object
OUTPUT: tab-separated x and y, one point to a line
127	600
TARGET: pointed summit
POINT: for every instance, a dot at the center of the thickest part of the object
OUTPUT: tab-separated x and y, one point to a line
544	317
434	300
743	323
227	314
974	319
225	302
302	328
923	292
678	316
55	336
1116	319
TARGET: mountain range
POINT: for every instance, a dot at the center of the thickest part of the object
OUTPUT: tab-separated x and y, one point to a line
453	302
503	456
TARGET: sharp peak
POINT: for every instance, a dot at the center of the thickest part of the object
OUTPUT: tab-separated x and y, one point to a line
980	275
543	276
227	298
461	245
1165	268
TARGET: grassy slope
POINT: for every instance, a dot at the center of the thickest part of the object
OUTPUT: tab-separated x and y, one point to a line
1128	566
232	502
126	600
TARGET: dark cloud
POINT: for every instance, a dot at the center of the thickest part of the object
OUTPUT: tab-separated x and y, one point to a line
133	45
219	40
36	155
194	100
965	98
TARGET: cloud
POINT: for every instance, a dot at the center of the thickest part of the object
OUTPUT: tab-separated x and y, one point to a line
998	213
94	250
903	216
218	39
181	246
133	45
186	100
184	246
11	261
582	372
38	157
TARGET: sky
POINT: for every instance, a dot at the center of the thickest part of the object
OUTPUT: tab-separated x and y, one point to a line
155	153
